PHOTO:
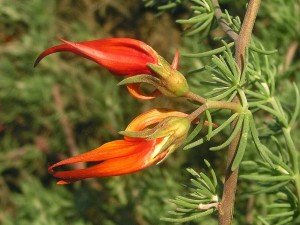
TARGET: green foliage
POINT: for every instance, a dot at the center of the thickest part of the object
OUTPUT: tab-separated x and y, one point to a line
46	205
202	199
33	136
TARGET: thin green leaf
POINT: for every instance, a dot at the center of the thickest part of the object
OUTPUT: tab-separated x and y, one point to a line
257	103
188	200
262	51
260	147
213	133
205	192
263	220
265	178
208	182
193	172
196	131
167	6
280	214
200	28
189	218
279	205
212	172
182	211
203	4
231	62
216	91
218	80
209	120
184	204
297	106
224	94
195	19
232	135
268	189
198	9
202	189
274	113
223	67
286	221
242	144
218	73
255	94
279	162
208	53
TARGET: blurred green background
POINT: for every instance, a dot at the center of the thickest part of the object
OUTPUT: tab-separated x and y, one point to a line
68	105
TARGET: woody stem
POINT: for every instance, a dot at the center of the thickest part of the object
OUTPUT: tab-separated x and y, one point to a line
226	205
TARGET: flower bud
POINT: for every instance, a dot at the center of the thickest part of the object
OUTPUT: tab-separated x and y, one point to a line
172	130
172	82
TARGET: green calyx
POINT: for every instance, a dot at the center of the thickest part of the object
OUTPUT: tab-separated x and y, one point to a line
173	83
168	81
172	129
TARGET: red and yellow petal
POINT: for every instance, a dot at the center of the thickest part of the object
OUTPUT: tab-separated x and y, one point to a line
120	161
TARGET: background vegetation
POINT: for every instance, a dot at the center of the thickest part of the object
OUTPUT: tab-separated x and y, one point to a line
69	105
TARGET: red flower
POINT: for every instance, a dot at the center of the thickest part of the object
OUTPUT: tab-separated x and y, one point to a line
132	153
121	56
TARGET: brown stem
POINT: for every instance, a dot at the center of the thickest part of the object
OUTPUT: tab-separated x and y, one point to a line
245	34
222	22
226	205
197	112
235	107
65	124
195	97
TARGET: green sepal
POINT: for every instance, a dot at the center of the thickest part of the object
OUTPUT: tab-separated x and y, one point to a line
142	78
172	82
137	134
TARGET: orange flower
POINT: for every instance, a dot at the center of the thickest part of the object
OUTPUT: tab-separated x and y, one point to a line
160	132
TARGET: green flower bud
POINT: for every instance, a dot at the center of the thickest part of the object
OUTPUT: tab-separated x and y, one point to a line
172	82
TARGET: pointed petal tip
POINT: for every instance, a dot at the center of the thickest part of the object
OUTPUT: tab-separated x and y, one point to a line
39	58
54	49
175	60
36	62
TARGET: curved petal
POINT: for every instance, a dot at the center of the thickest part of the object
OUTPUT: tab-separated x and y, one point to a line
113	149
136	91
152	117
124	164
175	60
123	56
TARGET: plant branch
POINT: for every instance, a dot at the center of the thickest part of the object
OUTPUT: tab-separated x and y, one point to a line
197	112
222	22
245	34
226	205
195	97
208	104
